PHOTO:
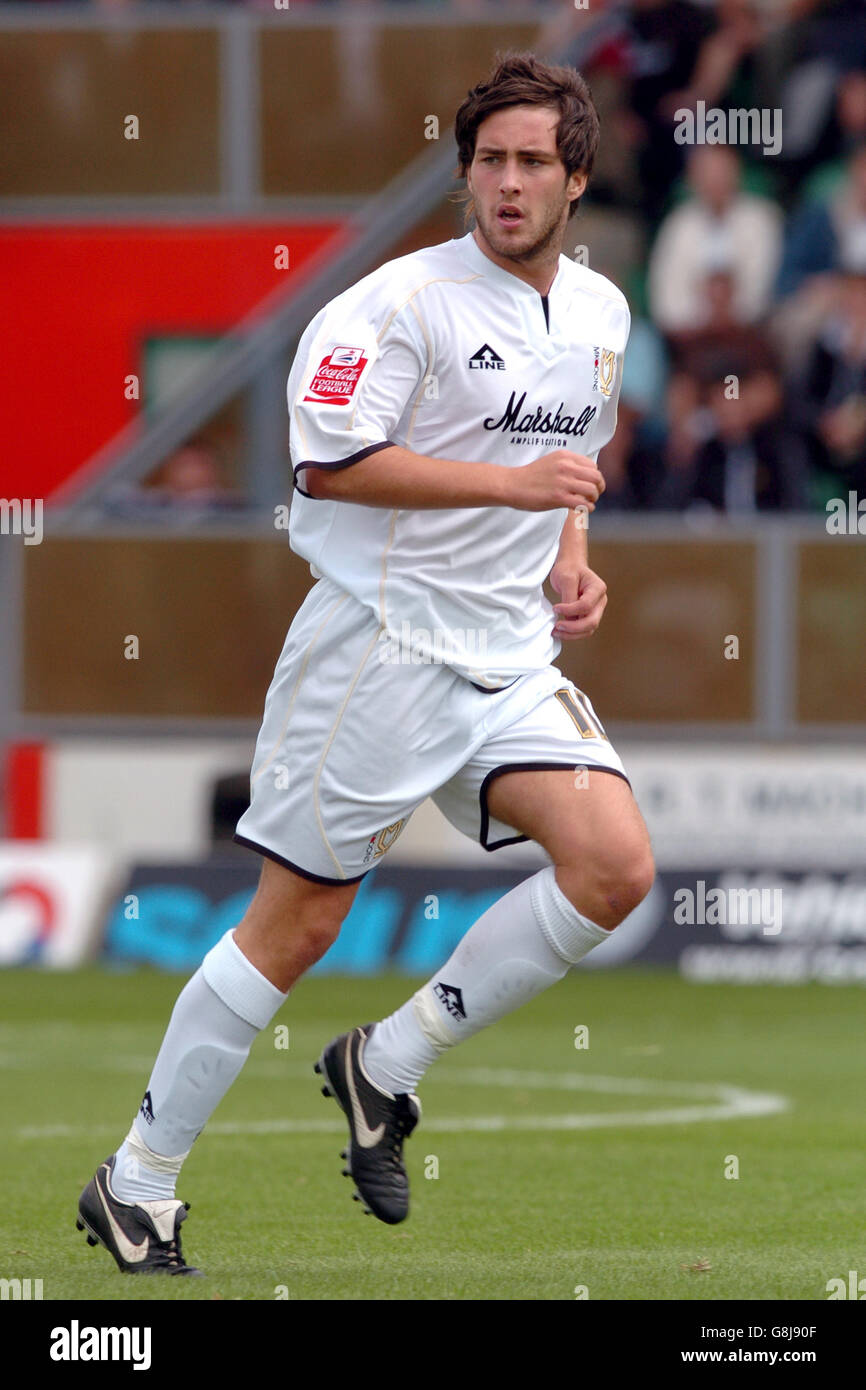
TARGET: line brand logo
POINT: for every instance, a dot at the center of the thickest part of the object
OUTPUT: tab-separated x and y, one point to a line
452	998
486	357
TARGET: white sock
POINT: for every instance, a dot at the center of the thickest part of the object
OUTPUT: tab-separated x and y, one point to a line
208	1039
519	947
140	1175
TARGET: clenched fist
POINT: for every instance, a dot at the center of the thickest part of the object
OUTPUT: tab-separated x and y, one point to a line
558	479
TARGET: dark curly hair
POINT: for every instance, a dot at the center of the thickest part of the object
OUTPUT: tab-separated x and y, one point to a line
522	79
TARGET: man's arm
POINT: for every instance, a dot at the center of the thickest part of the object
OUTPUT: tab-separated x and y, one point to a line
582	594
574	540
397	477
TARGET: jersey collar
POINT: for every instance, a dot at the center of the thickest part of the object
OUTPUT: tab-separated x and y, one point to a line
472	252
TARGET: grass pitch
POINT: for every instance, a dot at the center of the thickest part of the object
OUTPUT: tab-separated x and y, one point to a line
540	1169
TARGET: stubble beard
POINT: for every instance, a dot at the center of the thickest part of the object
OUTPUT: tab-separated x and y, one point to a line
549	237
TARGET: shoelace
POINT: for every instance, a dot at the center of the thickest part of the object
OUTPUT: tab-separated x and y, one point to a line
171	1253
404	1123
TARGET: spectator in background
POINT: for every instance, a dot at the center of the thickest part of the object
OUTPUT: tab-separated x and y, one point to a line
828	235
189	485
820	41
191	477
678	54
664	39
719	227
669	54
633	462
826	242
849	132
728	446
828	402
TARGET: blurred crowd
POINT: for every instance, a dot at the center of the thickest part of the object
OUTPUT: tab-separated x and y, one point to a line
729	203
745	380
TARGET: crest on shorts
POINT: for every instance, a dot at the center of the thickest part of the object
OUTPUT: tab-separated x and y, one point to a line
381	842
604	370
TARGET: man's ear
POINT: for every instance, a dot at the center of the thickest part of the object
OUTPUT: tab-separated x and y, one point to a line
575	185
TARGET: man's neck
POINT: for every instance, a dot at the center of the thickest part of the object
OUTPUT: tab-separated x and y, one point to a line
539	274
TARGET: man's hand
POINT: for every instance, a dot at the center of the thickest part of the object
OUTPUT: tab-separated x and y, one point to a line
583	598
558	479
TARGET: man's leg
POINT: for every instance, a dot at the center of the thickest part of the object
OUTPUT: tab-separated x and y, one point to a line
239	986
602	868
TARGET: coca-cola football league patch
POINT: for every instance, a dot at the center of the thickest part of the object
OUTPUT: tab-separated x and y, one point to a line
336	376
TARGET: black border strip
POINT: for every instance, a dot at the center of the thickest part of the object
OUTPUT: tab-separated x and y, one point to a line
526	767
296	868
494	689
341	463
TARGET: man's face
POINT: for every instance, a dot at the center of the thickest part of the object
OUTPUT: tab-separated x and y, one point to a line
518	182
714	174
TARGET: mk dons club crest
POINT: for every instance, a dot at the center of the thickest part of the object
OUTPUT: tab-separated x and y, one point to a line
378	844
604	370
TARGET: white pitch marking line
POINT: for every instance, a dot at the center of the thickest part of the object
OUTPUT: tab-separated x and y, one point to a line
729	1102
473	1076
510	1078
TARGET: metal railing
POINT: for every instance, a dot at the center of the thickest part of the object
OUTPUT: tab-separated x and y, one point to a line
776	632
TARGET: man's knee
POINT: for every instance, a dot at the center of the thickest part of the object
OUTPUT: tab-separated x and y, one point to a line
312	911
610	885
319	931
634	881
291	923
310	940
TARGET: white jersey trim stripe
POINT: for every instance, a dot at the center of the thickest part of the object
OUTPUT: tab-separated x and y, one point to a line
333	734
428	369
435	280
392	528
308	653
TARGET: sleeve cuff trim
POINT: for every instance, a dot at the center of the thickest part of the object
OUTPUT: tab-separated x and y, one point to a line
340	463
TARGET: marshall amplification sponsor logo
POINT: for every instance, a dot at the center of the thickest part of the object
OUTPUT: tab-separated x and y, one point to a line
604	370
336	376
538	420
378	844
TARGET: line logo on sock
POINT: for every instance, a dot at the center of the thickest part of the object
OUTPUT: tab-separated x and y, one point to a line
147	1108
452	998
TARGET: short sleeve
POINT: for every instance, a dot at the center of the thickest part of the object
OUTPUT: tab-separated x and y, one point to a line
358	368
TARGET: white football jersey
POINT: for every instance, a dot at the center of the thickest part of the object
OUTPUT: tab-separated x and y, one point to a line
445	353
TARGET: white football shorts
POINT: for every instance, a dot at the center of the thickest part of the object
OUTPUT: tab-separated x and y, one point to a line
356	734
